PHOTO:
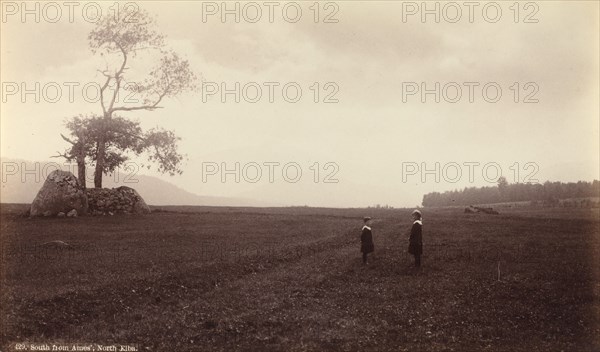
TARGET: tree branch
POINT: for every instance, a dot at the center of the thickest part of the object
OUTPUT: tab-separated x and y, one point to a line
144	107
67	139
118	78
104	73
102	89
59	155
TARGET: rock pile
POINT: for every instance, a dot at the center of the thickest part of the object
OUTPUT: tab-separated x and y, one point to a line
62	196
122	200
61	193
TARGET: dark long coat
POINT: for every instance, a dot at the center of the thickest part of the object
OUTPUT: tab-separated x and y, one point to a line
366	240
415	245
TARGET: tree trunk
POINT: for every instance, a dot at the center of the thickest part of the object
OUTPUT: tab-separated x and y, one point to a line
101	153
100	162
81	171
81	162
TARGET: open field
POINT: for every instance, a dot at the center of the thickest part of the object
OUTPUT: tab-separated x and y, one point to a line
291	279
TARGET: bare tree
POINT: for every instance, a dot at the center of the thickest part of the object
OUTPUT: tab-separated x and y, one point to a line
122	40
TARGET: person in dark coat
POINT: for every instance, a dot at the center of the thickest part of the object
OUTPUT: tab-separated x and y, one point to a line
366	239
415	246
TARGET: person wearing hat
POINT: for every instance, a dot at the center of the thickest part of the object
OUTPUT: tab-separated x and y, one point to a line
366	239
415	245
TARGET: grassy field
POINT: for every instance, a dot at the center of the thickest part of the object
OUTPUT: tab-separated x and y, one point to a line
291	279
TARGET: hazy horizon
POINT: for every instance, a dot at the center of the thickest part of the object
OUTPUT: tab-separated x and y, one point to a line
373	137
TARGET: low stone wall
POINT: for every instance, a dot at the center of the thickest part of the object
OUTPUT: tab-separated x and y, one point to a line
122	200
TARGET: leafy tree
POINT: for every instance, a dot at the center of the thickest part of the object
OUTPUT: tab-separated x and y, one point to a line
122	138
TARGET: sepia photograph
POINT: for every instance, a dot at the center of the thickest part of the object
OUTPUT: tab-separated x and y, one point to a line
308	175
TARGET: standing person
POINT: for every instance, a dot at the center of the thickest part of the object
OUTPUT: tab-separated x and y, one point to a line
415	246
366	239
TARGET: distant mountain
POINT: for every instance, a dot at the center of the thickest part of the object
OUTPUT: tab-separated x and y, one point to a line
21	180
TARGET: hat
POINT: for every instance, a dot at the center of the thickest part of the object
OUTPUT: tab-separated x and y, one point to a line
416	212
366	218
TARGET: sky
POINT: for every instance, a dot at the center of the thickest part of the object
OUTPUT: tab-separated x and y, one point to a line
369	136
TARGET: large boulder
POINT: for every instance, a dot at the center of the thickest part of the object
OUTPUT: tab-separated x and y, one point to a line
61	193
122	200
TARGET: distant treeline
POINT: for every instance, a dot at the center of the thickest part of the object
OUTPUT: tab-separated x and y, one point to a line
549	193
